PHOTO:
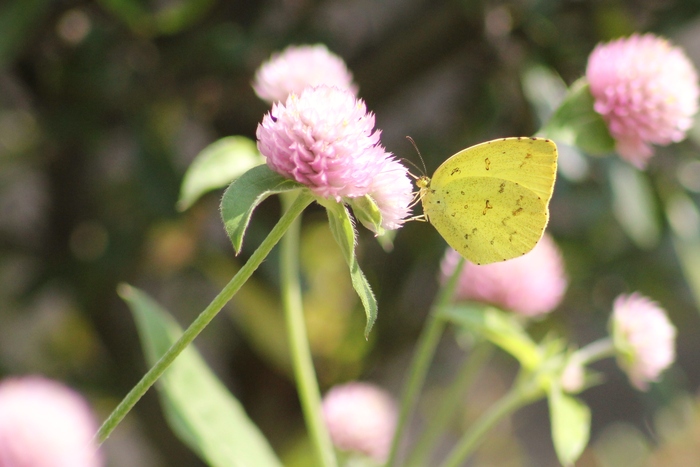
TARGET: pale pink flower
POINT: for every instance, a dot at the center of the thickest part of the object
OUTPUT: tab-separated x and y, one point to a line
392	191
297	67
361	418
647	92
324	139
644	338
532	284
45	424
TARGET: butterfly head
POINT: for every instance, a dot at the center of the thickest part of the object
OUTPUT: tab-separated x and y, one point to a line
423	182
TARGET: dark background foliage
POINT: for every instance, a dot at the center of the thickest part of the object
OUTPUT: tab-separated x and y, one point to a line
104	104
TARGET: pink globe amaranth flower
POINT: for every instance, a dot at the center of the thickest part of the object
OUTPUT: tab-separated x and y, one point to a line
392	191
298	67
324	139
45	424
644	338
361	417
647	92
532	284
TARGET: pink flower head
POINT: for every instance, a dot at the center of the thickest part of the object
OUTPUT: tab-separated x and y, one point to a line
644	338
532	284
324	139
361	417
647	92
392	191
45	424
297	67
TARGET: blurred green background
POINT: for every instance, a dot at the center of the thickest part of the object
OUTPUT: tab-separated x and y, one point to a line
104	104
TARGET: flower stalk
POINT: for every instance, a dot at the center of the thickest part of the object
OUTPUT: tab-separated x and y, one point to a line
425	350
302	361
598	350
300	203
453	399
524	392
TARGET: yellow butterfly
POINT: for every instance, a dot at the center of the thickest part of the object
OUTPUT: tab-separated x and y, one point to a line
490	202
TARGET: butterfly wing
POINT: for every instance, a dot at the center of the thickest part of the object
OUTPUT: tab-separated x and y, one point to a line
490	201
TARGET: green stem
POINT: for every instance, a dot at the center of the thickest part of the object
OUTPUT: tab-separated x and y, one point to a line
519	396
425	350
303	200
302	362
595	351
450	402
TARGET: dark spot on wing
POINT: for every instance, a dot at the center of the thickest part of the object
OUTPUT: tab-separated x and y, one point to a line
487	207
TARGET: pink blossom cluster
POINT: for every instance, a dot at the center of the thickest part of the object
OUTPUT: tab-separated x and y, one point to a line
45	424
322	136
361	418
532	285
647	92
644	338
298	67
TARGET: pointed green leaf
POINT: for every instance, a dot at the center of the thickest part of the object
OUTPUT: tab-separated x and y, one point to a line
571	425
576	123
498	327
198	407
344	234
634	204
243	196
216	166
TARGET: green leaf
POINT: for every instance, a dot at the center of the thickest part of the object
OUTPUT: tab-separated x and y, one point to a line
344	233
571	425
368	213
169	19
199	409
576	123
684	218
216	166
243	196
131	12
18	20
500	328
634	204
177	16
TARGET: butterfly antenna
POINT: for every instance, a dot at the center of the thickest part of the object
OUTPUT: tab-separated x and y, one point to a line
415	146
415	177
